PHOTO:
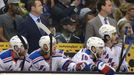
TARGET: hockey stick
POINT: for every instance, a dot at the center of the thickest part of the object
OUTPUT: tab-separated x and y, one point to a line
25	47
121	61
51	36
123	43
120	57
45	29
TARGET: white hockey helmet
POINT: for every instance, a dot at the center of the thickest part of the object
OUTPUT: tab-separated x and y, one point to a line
95	42
15	41
46	40
106	30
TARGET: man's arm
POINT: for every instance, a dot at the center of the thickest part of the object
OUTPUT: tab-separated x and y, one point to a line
89	31
2	38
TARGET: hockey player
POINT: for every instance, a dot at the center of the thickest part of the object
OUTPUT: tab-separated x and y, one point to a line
42	61
15	58
1	63
112	49
91	55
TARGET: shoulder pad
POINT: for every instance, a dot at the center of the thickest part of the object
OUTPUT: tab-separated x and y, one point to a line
36	56
6	56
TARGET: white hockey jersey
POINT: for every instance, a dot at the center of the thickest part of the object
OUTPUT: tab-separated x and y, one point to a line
9	63
112	56
1	65
93	64
59	62
39	63
62	63
83	55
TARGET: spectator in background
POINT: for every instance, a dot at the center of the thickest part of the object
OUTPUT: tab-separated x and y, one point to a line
67	35
123	8
105	8
76	5
29	27
129	14
116	10
47	4
86	15
126	29
23	10
132	23
10	21
89	6
59	10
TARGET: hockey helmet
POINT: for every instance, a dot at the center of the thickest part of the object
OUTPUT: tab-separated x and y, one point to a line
95	42
107	30
46	40
16	43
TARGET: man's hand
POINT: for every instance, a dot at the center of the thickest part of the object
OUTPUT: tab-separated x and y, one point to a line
80	66
105	68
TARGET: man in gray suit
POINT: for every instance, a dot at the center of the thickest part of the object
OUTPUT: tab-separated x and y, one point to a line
105	8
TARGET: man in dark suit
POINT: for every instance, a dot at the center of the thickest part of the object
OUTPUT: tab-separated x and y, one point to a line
29	27
105	8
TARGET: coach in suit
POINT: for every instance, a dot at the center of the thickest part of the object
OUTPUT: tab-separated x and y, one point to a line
105	8
29	27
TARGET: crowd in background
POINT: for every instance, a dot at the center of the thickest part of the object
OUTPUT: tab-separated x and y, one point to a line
70	21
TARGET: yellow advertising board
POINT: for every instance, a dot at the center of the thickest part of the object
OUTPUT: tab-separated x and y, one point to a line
4	45
130	58
75	47
70	47
67	47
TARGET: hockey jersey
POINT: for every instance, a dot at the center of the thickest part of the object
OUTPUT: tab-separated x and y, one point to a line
83	55
92	65
39	63
61	63
112	55
57	62
9	63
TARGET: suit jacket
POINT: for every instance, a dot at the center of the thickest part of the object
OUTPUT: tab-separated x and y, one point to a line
92	27
29	29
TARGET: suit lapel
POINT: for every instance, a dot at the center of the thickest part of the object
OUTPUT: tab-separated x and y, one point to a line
98	22
110	21
34	27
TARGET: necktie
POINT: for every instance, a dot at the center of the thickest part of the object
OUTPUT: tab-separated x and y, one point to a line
105	20
38	20
41	31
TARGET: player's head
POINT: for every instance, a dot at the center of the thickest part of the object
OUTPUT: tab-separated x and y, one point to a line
17	45
96	45
108	32
44	44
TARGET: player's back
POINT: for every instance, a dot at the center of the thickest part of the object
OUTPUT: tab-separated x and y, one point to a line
39	63
6	57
